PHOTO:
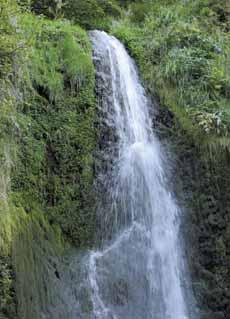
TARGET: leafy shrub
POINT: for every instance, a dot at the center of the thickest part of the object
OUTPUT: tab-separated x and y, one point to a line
50	8
139	10
86	13
90	14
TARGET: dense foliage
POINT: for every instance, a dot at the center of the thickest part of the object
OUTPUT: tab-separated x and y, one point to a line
90	14
183	52
47	138
55	118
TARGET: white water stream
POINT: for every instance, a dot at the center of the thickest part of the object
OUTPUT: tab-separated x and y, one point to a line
138	273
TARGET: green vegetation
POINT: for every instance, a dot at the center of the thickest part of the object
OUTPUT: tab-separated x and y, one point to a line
48	136
90	14
56	119
51	120
183	52
47	139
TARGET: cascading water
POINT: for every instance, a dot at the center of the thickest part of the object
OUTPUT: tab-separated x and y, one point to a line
138	270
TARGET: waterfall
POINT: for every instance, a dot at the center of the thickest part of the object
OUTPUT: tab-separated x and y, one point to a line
137	271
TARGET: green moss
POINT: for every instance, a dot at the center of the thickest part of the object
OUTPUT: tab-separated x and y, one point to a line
47	139
28	245
9	38
36	250
55	137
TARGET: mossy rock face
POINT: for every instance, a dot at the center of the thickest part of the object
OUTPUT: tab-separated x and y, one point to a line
47	139
202	185
56	137
7	294
36	256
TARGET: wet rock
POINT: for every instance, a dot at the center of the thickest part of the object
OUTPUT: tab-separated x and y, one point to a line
203	187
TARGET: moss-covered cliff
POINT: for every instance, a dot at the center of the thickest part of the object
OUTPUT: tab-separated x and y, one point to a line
47	143
202	186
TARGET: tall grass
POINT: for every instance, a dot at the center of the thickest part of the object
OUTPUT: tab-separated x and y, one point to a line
183	52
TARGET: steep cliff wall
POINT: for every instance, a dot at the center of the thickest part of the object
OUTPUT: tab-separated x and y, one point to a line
202	184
